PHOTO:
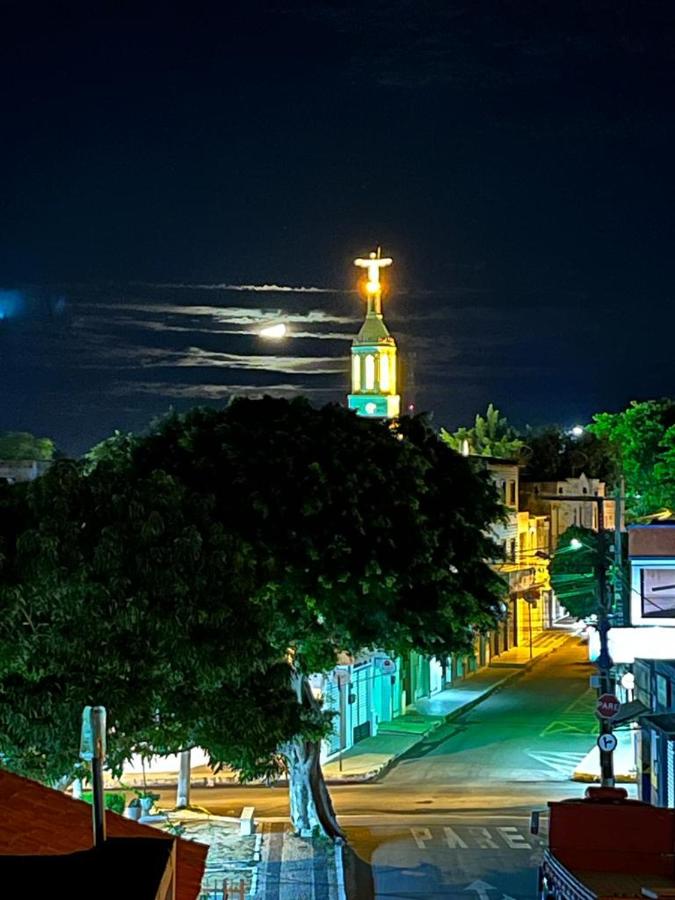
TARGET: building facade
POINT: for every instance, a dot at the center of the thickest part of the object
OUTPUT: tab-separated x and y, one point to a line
535	497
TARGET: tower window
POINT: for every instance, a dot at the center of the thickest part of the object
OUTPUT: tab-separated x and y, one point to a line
384	372
370	372
356	374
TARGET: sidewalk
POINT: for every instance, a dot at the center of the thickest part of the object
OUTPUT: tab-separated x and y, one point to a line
588	769
372	756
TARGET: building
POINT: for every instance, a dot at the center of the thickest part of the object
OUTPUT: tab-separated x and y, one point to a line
643	653
535	497
524	540
15	470
374	370
46	841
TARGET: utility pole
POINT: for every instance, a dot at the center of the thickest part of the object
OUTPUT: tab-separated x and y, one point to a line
604	662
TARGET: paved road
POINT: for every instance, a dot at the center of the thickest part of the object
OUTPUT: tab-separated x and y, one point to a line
450	819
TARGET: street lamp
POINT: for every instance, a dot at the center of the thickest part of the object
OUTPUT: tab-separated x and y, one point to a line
604	662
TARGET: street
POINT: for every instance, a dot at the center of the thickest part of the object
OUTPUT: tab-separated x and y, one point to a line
451	819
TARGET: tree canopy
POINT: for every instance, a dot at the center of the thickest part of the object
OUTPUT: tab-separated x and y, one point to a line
552	453
181	579
22	445
642	441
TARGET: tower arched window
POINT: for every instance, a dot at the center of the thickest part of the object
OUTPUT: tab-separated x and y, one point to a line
356	373
384	372
370	372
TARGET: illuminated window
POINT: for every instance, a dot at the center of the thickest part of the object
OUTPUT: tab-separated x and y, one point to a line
370	372
356	374
384	372
658	593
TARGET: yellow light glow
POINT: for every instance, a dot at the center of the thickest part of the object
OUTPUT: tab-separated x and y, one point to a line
273	332
370	372
356	374
384	372
373	264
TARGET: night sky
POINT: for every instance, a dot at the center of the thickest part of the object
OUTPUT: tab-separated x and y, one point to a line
161	163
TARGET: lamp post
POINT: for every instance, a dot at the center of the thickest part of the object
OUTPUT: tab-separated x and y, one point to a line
604	662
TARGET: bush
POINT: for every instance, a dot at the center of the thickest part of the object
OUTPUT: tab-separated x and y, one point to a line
113	802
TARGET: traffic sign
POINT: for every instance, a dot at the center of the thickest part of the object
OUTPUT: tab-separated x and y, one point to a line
608	706
607	742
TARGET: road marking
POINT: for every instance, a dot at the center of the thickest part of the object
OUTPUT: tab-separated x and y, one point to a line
474	837
481	888
578	716
513	839
453	840
421	836
562	763
483	838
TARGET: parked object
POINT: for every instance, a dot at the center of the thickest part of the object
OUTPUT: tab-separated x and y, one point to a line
607	847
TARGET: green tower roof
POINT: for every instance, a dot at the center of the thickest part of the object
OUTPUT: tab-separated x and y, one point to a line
374	331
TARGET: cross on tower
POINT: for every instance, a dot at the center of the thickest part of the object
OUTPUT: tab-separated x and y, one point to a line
374	263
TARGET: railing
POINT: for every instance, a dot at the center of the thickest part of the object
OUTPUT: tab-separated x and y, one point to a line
224	890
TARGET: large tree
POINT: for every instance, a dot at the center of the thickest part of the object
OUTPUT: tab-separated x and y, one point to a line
192	579
22	445
642	441
552	453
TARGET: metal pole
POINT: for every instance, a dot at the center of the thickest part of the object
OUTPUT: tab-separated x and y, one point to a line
529	617
618	550
604	660
98	798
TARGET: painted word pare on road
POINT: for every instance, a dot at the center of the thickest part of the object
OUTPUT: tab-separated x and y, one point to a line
472	837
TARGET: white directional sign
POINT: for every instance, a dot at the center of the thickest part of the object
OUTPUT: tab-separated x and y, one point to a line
607	742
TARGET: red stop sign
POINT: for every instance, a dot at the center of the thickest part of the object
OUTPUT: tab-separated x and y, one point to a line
608	706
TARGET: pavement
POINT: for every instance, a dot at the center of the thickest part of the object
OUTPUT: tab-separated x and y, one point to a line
625	772
373	756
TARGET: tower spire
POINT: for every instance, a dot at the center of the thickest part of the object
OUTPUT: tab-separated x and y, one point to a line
374	370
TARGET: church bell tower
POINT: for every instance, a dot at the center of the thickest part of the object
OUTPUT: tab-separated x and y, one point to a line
374	369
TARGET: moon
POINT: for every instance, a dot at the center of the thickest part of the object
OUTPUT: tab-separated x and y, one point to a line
273	331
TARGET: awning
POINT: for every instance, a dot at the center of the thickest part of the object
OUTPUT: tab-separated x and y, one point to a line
629	712
665	723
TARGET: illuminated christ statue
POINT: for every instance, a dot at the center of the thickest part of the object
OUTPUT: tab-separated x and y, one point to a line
374	263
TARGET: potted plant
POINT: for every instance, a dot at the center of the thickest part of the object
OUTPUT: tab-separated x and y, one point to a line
147	800
133	810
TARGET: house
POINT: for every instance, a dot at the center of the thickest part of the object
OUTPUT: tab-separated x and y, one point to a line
46	838
535	497
643	653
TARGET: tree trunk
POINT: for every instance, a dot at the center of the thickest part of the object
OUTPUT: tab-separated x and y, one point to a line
183	788
311	805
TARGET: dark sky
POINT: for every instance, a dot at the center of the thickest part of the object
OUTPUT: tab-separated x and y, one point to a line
516	159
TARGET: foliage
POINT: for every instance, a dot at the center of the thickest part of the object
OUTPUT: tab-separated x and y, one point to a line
642	441
22	445
168	577
491	435
573	571
112	801
552	453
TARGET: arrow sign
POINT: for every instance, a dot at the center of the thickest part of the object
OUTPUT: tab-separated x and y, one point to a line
480	888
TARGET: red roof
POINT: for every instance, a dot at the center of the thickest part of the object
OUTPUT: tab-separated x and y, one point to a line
38	820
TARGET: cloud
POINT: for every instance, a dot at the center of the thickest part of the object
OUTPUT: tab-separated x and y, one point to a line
253	288
306	365
234	315
212	392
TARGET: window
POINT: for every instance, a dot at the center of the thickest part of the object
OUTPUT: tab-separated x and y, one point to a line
370	372
560	490
512	493
356	374
584	490
384	372
658	593
512	550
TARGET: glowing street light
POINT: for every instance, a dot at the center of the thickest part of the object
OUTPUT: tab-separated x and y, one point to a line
273	332
577	431
575	544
